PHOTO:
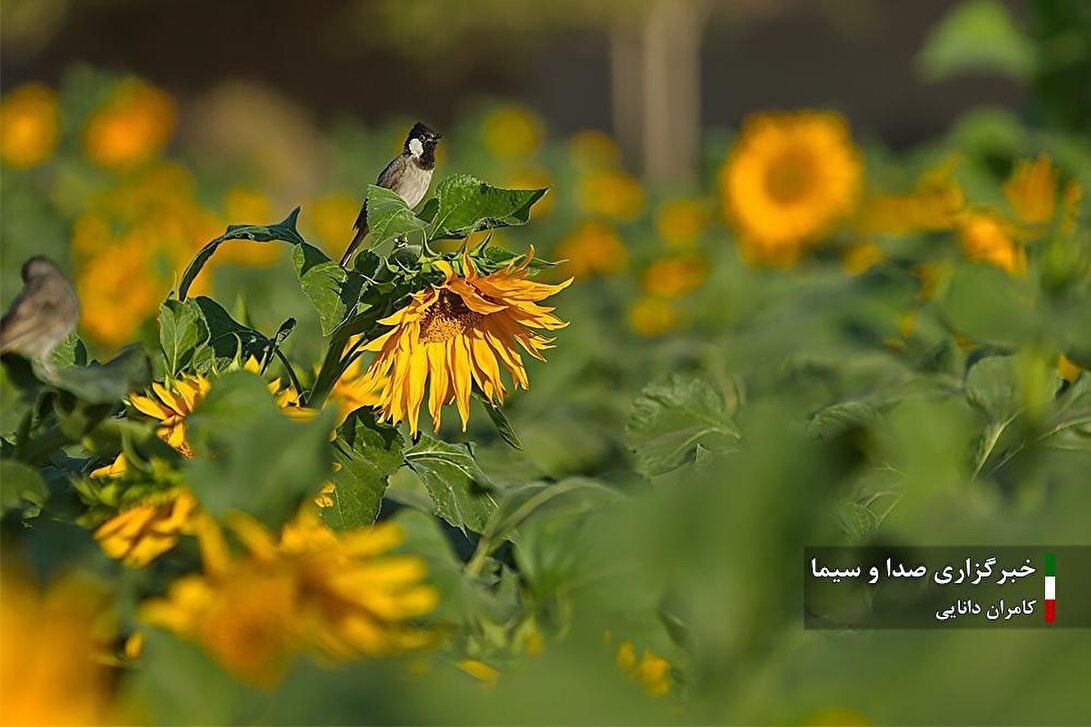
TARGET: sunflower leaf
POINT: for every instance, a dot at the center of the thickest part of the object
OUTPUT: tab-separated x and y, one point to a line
671	418
332	290
462	494
182	330
368	452
249	456
388	217
110	382
464	205
20	484
500	421
284	230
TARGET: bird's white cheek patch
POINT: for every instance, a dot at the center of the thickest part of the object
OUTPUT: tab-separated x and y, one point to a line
416	148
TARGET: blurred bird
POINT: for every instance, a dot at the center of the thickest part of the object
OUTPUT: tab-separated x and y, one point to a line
408	175
43	314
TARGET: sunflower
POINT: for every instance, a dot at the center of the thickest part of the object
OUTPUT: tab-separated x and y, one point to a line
593	248
986	237
29	126
141	534
131	128
341	595
788	180
1032	190
458	334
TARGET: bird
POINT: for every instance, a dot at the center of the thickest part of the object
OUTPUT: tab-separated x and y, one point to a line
43	314
409	175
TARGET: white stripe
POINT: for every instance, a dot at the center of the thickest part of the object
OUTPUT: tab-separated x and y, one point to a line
1051	588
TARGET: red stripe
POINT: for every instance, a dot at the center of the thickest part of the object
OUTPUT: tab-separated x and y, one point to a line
1050	611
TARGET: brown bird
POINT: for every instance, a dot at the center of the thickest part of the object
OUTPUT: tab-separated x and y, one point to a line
43	314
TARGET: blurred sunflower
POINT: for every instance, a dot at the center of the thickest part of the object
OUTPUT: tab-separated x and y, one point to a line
117	294
651	671
457	335
512	131
935	204
332	220
673	277
988	238
680	221
612	194
29	126
131	128
49	673
593	248
861	257
1031	190
593	149
788	180
651	316
340	595
534	177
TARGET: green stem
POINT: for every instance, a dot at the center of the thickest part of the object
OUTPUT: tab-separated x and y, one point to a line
329	373
291	372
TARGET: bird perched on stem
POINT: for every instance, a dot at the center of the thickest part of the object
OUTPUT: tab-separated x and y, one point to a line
408	175
43	314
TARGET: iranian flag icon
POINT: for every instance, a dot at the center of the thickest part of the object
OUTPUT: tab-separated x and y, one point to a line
1051	588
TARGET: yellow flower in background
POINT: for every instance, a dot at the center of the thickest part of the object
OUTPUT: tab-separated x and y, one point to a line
653	316
332	221
936	204
479	670
458	334
681	221
651	671
612	194
131	128
535	178
984	237
140	534
1071	201
512	131
593	149
788	180
1068	369
49	673
1031	190
29	126
860	258
245	206
673	277
593	248
337	594
117	294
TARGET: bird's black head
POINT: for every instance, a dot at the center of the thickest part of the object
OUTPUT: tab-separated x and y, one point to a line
421	143
38	266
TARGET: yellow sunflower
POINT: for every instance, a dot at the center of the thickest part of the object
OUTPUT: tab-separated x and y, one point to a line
1032	190
788	180
341	595
457	335
593	248
131	128
986	237
141	534
29	125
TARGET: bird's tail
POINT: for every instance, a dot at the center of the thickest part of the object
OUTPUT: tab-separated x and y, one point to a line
361	233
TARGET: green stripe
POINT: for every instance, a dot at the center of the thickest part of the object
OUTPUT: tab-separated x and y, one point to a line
1051	565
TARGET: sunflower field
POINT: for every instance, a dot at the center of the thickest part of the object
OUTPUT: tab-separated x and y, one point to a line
550	450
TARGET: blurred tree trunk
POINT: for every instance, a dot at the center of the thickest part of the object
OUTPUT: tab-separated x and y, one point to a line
655	69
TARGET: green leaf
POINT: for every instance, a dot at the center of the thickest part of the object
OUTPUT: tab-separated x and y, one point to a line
841	417
69	352
977	36
500	421
388	217
285	230
19	484
369	452
671	418
987	305
181	330
461	492
332	290
227	338
107	383
250	456
464	204
992	387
